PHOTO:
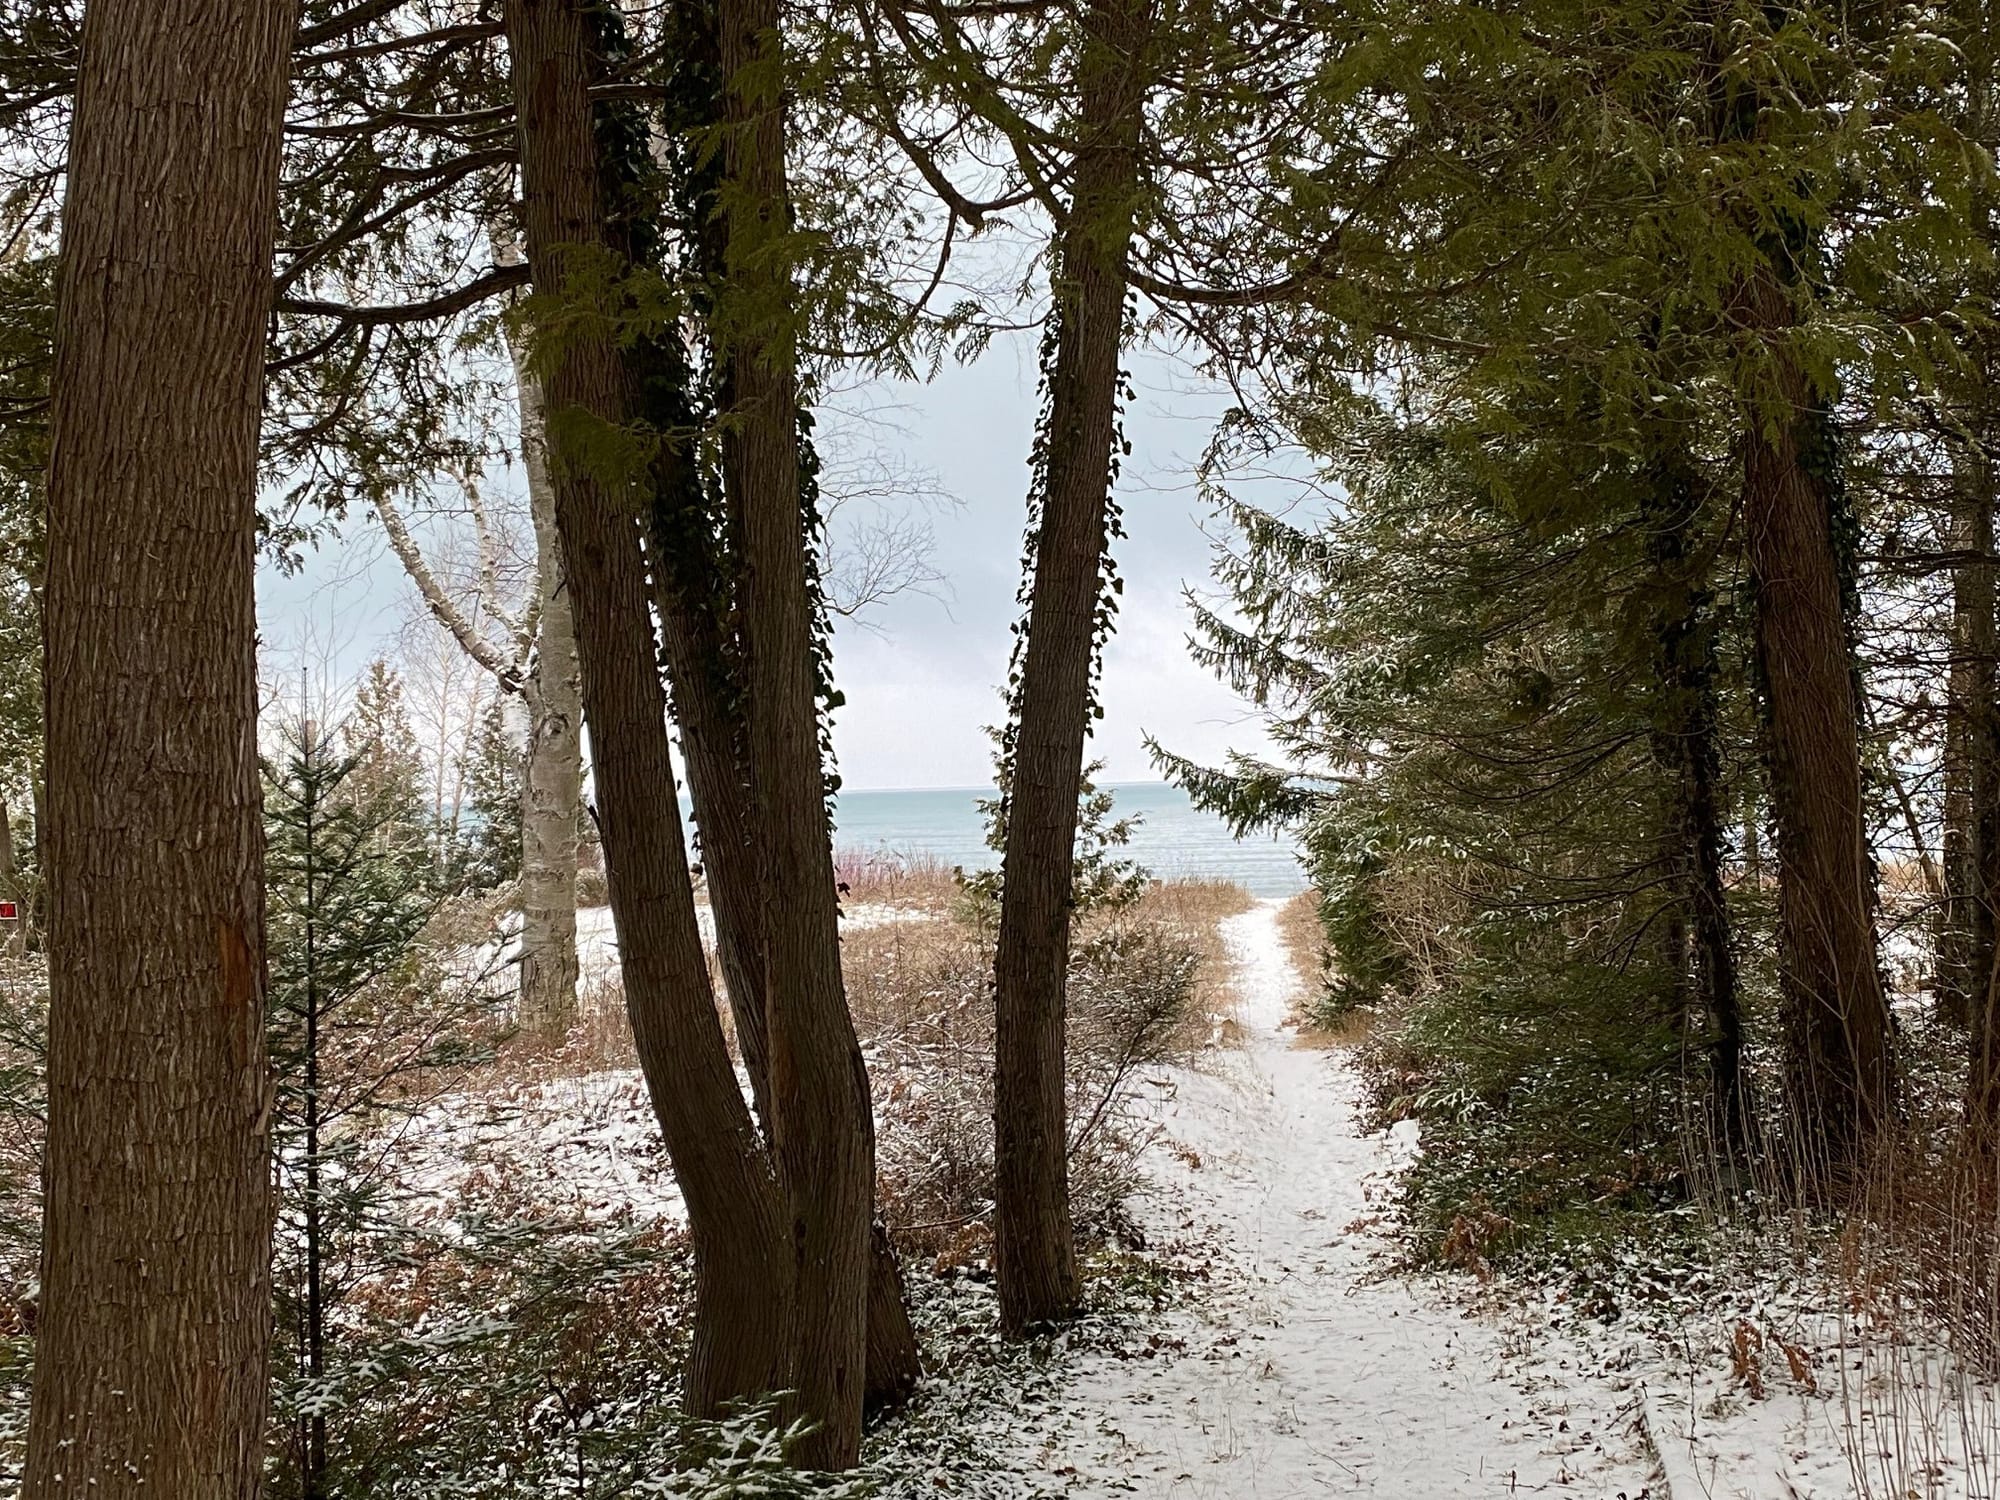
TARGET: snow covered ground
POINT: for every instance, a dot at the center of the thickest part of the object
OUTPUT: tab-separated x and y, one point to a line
1305	1365
1307	1369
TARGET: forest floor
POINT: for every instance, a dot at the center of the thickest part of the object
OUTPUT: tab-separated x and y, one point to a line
1307	1366
1291	1355
1310	1364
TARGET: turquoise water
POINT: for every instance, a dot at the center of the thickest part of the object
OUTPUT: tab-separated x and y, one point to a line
1172	836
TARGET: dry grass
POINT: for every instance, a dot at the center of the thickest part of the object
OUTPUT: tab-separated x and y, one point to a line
1149	985
1903	880
1192	903
1299	925
1193	910
1918	1264
891	970
911	882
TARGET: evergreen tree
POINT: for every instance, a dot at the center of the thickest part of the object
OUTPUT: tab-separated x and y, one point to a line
349	893
492	854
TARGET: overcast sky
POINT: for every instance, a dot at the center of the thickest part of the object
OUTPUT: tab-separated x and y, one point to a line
922	675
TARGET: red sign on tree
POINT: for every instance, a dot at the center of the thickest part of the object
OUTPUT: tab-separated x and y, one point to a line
10	911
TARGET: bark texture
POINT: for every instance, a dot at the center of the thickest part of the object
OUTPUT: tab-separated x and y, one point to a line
690	593
1840	1057
1975	897
552	781
1965	938
1034	1244
743	1265
1685	737
152	1352
822	1121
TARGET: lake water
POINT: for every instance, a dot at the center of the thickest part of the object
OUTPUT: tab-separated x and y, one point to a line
1172	836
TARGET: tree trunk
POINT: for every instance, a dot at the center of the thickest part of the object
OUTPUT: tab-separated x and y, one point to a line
1034	1245
822	1121
1753	839
1686	738
1715	958
690	599
1964	952
743	1275
1840	1057
151	1358
1973	672
313	1451
706	679
13	935
552	782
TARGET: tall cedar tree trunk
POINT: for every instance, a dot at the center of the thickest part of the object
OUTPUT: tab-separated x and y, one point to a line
743	1272
822	1122
699	616
1951	983
721	801
151	1360
1840	1057
1965	937
313	1450
1686	735
1034	1244
552	779
1840	1068
1974	673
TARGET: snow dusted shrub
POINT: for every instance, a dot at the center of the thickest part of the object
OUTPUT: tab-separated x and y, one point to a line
518	1352
922	996
1552	1106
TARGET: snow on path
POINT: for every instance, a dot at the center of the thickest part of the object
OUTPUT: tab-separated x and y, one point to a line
1309	1370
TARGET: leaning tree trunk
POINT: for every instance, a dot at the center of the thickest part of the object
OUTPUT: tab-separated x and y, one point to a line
691	600
822	1121
552	779
150	1362
1839	1040
742	1265
1034	1245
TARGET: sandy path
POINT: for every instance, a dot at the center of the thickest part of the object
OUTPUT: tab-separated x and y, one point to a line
1307	1371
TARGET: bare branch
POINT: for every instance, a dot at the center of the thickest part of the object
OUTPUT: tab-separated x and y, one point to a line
507	673
491	284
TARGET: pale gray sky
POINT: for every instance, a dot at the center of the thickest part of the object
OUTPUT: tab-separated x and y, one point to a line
923	675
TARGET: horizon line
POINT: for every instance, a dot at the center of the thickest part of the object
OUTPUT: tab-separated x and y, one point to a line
986	787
